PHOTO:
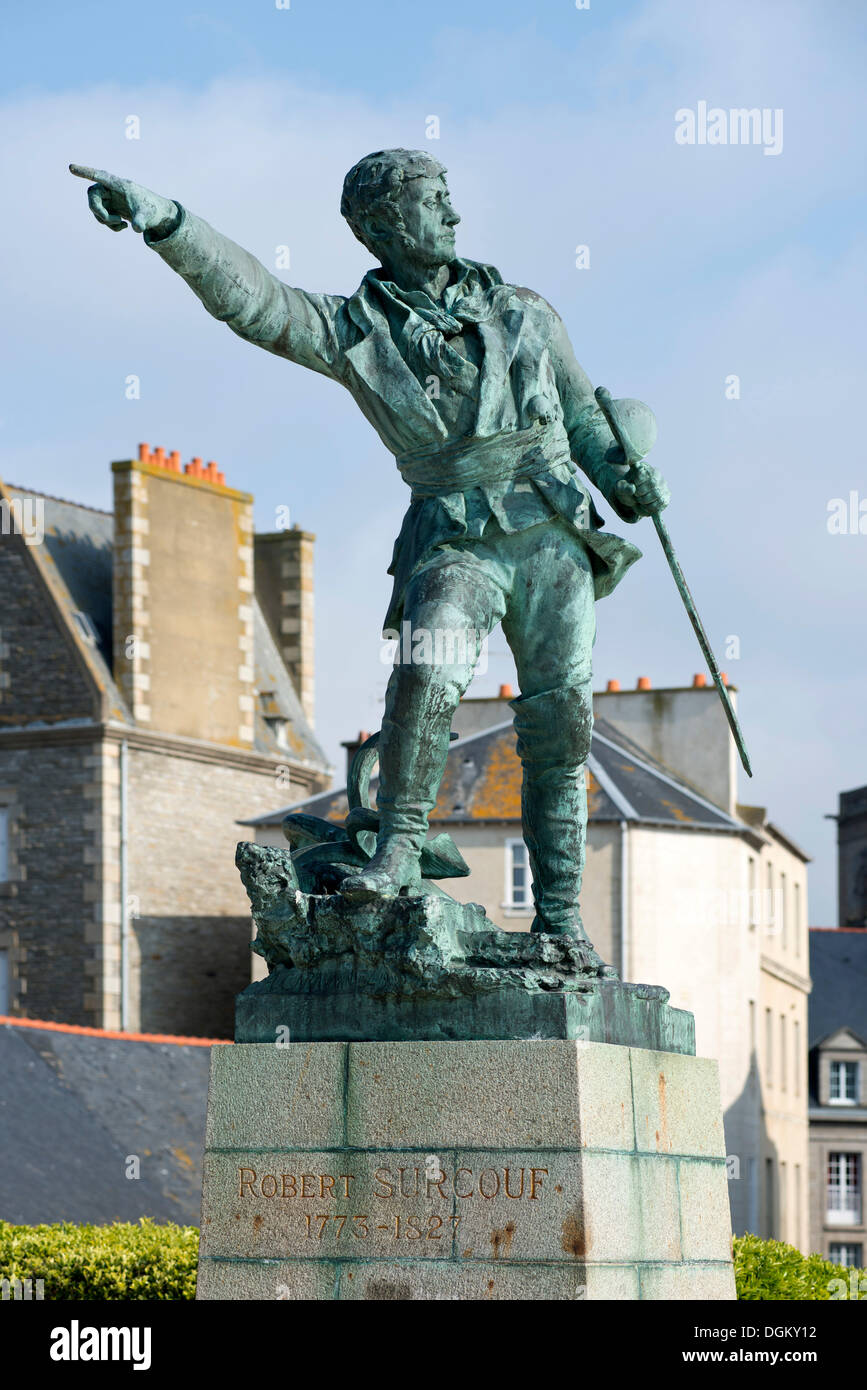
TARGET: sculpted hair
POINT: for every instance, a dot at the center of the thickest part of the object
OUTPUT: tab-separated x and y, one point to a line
373	186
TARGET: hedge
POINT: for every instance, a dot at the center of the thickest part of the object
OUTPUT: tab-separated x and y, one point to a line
99	1263
149	1261
769	1271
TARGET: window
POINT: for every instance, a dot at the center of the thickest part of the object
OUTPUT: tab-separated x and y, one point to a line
769	1047
848	1255
4	844
782	1052
843	1089
752	904
86	628
796	916
843	1191
796	1238
753	1194
517	874
784	925
770	1225
796	1060
769	894
784	1198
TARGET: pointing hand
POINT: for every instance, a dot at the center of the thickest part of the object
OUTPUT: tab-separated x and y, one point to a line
115	201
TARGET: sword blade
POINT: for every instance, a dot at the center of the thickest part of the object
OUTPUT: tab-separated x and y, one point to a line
633	457
707	651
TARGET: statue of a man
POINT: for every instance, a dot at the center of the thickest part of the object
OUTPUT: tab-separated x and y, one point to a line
472	384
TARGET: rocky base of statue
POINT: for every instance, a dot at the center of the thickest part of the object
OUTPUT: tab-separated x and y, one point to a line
512	1170
428	967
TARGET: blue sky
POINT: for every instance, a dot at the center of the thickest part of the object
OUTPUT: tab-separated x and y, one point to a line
557	127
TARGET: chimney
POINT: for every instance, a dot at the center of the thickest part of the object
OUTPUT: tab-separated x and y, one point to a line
352	746
182	590
683	727
284	588
852	858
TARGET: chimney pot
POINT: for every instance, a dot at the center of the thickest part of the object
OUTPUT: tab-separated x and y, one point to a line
699	681
613	685
144	452
643	683
723	677
506	692
174	461
159	456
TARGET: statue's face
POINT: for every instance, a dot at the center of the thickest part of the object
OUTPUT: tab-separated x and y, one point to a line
429	218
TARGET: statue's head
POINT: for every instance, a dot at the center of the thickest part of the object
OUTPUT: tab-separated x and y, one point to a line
397	204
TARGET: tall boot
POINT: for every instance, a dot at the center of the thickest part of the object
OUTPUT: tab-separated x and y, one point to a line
553	743
413	747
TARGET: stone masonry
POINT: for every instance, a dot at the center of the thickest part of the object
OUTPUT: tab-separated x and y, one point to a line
136	642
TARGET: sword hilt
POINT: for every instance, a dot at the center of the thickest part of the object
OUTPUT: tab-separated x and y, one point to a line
608	405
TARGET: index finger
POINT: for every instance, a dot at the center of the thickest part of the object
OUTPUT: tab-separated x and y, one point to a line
83	171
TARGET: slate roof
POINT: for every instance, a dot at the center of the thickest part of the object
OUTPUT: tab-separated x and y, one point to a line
272	677
76	560
73	1107
838	966
482	782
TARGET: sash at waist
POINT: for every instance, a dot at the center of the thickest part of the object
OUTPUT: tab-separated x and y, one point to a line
439	469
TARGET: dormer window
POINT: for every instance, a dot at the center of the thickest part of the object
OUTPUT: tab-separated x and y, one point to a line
278	728
86	628
843	1083
275	716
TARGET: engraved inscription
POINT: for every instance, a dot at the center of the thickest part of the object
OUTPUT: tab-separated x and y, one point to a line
348	1204
401	1182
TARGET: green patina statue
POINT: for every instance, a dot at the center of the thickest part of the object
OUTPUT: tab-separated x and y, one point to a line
473	385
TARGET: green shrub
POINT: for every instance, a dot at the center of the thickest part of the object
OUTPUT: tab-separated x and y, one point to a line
125	1262
99	1263
770	1271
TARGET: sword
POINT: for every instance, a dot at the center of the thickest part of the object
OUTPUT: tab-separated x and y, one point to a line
634	456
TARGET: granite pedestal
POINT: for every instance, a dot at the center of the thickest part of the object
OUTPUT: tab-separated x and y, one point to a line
516	1170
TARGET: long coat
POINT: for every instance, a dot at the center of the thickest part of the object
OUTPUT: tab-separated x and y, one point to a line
385	345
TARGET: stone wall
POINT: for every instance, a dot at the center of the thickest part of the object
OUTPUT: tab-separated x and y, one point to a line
683	728
49	919
51	904
182	605
284	586
189	914
852	858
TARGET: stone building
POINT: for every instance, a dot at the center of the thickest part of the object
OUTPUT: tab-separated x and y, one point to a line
838	1093
852	858
684	887
155	683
